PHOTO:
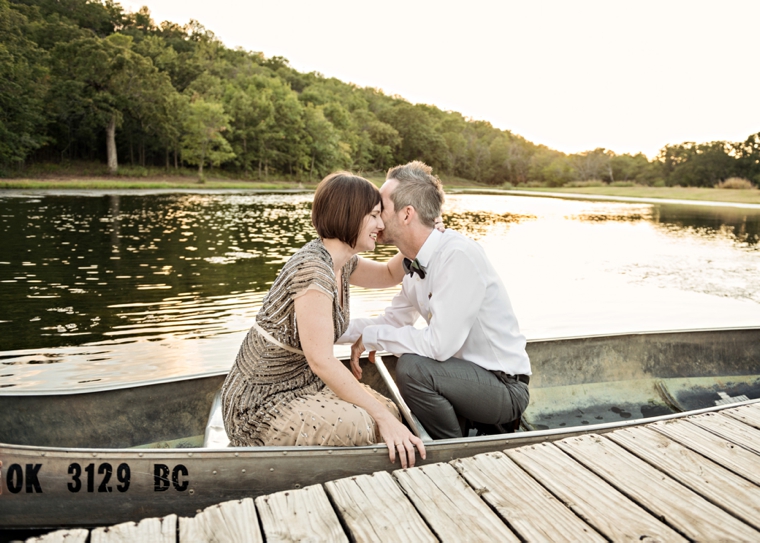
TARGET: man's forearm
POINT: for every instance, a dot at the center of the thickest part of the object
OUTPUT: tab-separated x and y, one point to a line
356	328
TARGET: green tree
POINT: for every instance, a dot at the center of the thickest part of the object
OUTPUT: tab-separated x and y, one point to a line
23	85
98	81
203	140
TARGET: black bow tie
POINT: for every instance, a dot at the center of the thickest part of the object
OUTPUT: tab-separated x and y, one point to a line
413	266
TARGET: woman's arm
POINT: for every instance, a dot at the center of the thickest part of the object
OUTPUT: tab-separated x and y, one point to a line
314	317
371	274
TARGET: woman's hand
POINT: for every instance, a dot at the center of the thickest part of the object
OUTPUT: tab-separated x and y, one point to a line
399	440
357	349
439	224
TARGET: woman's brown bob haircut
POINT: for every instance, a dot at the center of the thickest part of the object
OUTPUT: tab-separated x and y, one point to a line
341	202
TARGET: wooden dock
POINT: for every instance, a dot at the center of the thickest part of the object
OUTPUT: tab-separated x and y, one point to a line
694	478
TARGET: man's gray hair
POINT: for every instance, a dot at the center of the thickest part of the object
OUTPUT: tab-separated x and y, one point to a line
419	188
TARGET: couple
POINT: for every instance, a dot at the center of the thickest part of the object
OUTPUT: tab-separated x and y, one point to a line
286	386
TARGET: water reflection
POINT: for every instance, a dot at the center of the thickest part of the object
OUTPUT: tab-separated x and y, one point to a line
111	288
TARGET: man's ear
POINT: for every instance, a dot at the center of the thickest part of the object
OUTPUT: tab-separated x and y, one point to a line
409	214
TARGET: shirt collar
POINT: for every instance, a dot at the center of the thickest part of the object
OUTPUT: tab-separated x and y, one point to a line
429	247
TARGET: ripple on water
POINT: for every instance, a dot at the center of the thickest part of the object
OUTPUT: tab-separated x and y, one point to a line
112	288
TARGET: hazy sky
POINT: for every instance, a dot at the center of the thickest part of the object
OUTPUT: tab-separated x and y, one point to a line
574	75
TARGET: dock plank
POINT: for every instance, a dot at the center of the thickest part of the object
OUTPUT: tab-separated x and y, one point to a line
684	510
452	509
149	530
530	510
374	508
590	497
62	536
229	521
738	459
748	414
712	481
730	429
298	515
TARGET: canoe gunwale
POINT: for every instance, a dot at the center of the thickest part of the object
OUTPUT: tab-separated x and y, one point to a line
217	373
520	437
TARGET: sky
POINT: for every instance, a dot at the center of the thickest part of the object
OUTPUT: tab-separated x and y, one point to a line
626	75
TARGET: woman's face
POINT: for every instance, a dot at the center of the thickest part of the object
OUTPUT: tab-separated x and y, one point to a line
371	226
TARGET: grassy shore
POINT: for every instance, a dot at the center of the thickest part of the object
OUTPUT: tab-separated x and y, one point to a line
450	183
669	193
106	183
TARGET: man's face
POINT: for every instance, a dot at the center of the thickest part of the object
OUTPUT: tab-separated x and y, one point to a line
390	234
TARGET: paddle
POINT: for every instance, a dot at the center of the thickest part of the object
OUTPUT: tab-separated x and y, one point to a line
414	424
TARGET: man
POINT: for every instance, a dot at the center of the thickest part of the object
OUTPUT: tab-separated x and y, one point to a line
470	360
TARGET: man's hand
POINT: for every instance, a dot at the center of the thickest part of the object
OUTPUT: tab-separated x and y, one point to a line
357	349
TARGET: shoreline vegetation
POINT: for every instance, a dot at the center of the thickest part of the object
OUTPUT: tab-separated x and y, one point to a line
190	182
94	91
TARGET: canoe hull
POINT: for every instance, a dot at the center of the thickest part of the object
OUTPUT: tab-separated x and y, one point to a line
55	487
77	458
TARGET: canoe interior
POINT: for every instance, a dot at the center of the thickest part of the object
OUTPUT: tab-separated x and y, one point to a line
576	381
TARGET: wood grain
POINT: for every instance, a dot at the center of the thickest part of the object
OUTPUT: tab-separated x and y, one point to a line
682	509
299	515
229	521
62	536
532	512
452	509
729	428
374	508
710	480
722	451
149	530
589	496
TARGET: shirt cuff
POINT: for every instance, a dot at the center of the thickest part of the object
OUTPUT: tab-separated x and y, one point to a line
369	338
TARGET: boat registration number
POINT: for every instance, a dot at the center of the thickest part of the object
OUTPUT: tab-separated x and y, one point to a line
92	477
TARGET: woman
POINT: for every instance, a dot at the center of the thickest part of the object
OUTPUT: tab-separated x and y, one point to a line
286	387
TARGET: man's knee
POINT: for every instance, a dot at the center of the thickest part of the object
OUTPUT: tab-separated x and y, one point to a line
411	369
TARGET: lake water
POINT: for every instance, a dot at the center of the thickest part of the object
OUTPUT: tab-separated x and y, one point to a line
99	288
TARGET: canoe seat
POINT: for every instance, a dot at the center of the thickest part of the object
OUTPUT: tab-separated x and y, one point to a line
215	436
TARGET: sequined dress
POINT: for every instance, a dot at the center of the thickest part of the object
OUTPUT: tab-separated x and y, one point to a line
266	381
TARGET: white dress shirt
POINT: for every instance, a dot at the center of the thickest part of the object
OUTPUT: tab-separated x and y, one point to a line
464	303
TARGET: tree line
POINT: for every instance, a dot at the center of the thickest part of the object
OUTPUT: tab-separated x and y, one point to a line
85	80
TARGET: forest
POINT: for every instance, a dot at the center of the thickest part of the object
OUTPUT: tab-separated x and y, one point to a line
84	80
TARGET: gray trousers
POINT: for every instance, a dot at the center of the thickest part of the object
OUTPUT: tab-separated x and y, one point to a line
437	392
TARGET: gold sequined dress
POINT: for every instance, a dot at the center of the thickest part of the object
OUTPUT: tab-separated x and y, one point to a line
271	396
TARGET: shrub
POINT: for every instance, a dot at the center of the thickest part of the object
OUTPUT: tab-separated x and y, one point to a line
587	183
623	184
735	183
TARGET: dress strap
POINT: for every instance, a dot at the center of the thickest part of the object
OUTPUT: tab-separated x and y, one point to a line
266	335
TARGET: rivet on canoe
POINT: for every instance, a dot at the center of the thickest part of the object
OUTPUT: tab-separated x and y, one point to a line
466	444
374	450
94	455
43	454
237	454
329	452
214	472
284	453
297	485
271	469
189	454
243	471
192	491
140	455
